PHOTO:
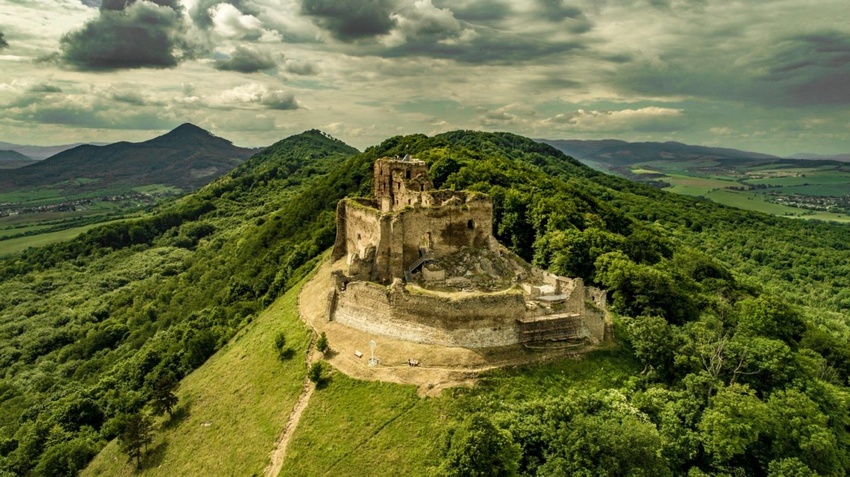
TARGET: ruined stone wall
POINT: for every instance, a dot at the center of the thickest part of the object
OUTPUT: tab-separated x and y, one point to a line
382	246
359	238
477	321
400	183
598	296
596	314
595	321
442	230
575	291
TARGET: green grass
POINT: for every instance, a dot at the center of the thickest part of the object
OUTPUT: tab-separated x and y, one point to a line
696	186
157	189
232	408
639	170
753	200
819	190
34	195
600	369
16	245
355	428
820	181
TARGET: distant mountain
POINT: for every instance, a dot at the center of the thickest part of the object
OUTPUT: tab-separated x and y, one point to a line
621	153
37	153
8	155
187	158
822	157
13	159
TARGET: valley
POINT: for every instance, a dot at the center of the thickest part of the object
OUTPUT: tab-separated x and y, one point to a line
51	199
799	188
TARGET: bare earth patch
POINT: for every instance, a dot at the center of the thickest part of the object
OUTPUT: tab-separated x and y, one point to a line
439	367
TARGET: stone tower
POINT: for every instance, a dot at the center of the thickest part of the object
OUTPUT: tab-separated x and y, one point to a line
400	183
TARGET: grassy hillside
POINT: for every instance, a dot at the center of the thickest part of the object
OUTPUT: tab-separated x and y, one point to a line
727	317
96	321
232	408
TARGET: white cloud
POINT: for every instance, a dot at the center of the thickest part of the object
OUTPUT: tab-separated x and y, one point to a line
621	120
230	23
254	94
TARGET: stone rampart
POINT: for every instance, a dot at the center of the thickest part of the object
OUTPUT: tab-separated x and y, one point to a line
475	321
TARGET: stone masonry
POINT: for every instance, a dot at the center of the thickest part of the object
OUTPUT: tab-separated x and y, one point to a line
412	264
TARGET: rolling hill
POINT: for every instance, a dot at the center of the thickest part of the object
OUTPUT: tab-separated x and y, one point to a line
731	324
38	153
612	152
12	159
186	158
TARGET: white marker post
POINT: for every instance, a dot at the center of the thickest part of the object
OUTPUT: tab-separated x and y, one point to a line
373	361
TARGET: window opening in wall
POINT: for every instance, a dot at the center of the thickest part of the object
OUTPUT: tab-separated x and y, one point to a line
421	187
358	236
407	174
470	224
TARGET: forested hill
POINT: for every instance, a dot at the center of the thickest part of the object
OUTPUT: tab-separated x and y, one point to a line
737	320
186	157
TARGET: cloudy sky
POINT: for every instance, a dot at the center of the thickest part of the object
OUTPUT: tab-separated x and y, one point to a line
765	75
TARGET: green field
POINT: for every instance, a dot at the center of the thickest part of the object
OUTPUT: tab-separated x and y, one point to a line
25	227
695	186
35	197
19	244
702	179
157	189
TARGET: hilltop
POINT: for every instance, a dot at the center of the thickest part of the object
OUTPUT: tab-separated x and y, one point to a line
38	153
730	324
12	159
60	197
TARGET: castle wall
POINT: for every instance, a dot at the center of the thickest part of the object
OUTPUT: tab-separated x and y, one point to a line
442	230
398	184
595	314
477	321
595	321
575	291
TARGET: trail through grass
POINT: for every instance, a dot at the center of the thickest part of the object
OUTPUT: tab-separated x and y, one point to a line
231	409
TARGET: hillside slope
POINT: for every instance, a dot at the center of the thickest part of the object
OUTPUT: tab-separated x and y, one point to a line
231	409
38	153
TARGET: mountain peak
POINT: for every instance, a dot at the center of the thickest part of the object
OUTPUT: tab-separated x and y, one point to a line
186	134
189	128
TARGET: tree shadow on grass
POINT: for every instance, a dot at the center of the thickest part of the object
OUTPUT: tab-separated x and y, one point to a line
155	455
286	354
323	383
181	413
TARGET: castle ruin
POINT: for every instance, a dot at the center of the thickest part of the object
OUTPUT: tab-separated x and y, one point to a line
422	265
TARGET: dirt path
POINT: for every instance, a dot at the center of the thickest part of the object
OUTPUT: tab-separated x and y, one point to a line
279	452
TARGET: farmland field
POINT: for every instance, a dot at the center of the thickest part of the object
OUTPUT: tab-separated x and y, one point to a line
802	189
40	216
